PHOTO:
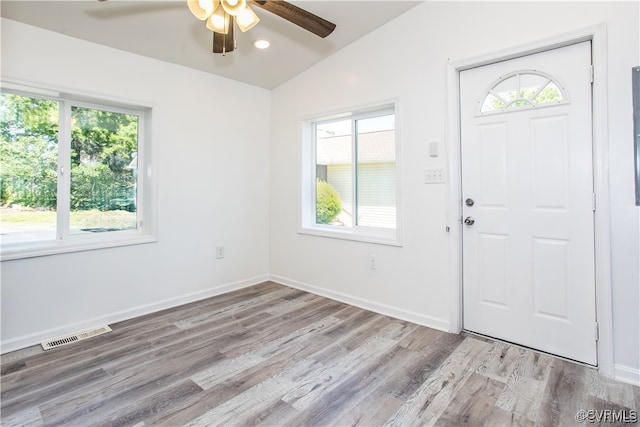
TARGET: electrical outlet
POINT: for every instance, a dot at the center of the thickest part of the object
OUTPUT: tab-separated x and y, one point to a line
219	252
373	262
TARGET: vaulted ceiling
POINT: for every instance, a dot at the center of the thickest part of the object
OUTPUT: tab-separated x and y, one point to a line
167	30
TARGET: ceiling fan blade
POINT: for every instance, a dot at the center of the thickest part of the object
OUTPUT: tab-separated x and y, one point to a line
307	20
224	43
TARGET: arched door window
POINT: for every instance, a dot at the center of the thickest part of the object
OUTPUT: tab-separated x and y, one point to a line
522	90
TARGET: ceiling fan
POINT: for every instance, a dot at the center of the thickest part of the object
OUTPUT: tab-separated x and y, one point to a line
221	15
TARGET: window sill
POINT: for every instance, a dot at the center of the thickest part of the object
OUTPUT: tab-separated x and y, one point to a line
54	247
378	237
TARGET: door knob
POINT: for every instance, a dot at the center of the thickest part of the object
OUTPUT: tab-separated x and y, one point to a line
469	221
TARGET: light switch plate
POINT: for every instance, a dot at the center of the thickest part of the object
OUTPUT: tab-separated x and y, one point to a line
434	176
433	149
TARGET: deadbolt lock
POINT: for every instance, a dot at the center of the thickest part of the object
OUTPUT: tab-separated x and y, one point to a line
469	202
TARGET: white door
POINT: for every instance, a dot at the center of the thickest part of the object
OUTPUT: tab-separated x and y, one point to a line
527	187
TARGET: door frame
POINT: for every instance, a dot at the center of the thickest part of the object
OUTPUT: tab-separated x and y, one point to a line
604	313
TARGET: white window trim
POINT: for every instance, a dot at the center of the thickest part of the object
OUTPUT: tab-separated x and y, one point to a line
307	220
146	231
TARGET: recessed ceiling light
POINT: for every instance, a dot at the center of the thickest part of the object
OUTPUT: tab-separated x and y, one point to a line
261	44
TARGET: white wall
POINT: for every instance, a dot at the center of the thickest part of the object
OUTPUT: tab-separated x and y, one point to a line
407	60
211	174
219	188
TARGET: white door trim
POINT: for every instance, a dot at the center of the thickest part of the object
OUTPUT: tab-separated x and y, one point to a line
597	35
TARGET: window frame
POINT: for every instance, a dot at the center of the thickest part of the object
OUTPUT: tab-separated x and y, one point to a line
307	212
508	105
65	241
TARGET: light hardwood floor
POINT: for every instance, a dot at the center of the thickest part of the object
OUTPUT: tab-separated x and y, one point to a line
271	355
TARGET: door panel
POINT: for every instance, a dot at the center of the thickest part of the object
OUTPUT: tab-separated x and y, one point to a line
494	263
550	163
528	256
492	149
550	277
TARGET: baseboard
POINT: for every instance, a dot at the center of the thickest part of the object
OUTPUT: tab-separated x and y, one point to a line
387	310
21	342
627	374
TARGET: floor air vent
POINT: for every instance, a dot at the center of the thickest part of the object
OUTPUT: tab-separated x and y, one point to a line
70	339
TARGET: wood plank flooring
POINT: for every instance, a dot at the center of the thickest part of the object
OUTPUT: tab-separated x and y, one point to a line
275	356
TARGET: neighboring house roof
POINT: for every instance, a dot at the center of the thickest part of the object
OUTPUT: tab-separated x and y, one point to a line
373	147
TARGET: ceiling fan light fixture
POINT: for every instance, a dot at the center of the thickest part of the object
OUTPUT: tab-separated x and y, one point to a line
246	19
202	9
221	17
233	7
219	22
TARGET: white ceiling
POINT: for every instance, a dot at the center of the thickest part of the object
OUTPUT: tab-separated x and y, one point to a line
166	30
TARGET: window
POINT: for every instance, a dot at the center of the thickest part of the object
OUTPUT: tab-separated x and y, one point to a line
69	175
522	90
351	176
